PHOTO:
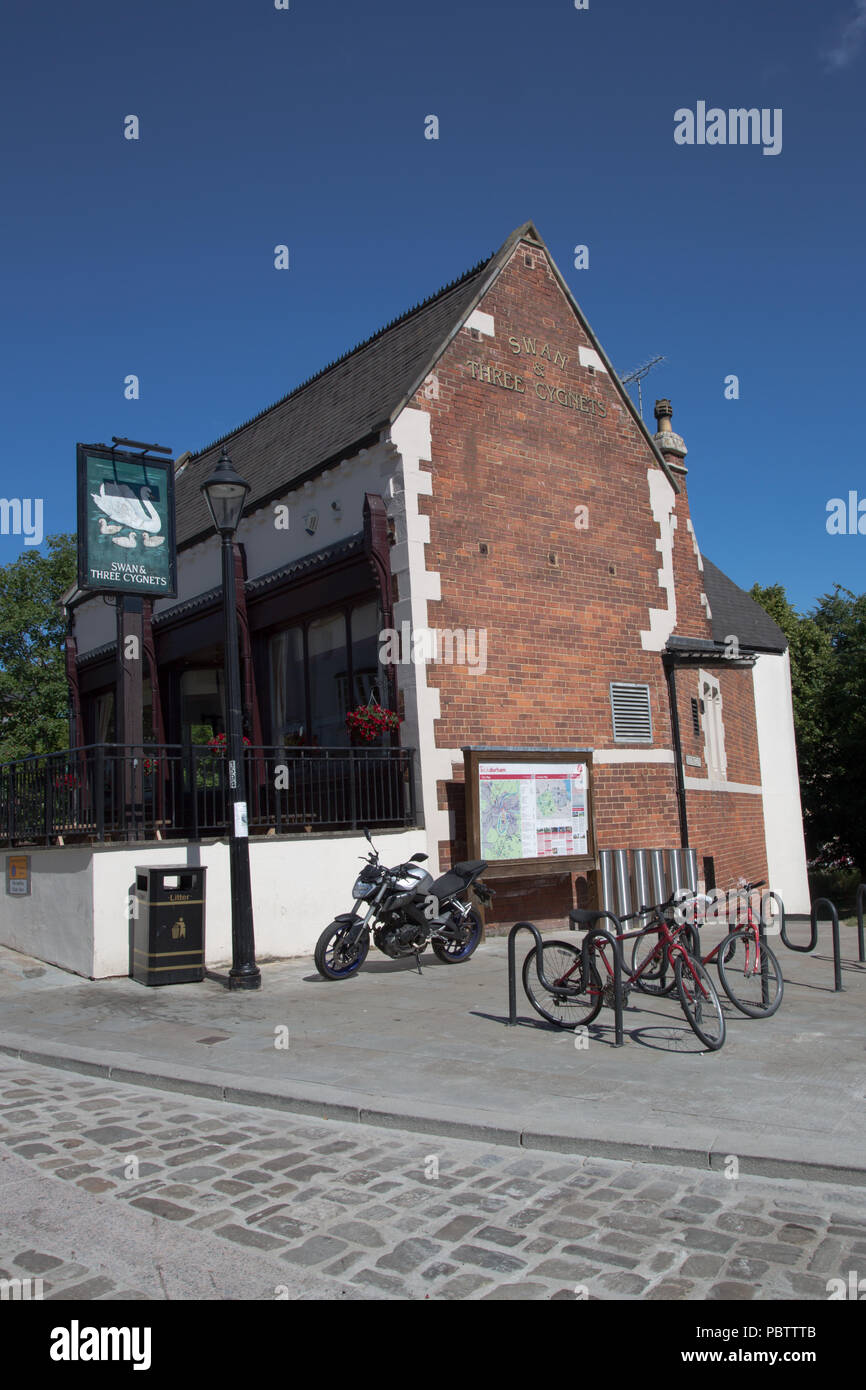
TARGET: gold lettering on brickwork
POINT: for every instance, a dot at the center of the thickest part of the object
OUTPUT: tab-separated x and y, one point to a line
495	376
540	354
531	348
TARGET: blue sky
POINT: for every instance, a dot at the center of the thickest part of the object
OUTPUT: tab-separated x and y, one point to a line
306	127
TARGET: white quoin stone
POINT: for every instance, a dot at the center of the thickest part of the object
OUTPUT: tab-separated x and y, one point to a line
662	620
482	322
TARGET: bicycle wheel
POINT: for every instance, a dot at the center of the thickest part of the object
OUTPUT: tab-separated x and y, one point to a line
699	1000
651	952
571	1004
751	975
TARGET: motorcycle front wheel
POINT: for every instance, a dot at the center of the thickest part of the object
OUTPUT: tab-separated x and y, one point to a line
453	951
335	958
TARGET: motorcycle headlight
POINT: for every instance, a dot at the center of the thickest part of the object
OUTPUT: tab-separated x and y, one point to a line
361	888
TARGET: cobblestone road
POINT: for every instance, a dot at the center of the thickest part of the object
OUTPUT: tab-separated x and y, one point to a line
98	1180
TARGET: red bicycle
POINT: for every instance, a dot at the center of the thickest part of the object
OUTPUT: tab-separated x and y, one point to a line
749	971
574	1000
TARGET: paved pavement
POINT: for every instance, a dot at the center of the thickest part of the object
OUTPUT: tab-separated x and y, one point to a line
431	1052
113	1191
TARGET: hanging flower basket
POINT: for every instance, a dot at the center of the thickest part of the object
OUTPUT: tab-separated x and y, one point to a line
218	743
369	722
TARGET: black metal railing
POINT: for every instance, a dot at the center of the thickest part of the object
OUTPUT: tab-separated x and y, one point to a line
111	791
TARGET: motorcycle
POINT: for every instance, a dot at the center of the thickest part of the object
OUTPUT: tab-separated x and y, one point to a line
406	910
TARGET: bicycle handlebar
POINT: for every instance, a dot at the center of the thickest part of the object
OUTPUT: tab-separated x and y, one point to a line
659	908
653	907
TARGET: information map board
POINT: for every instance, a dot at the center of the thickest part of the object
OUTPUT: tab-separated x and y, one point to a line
528	809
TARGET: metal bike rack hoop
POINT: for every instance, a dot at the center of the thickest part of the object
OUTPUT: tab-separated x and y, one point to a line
837	948
587	918
512	967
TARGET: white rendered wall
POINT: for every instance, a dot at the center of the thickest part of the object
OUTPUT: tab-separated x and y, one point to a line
54	922
269	546
77	914
783	815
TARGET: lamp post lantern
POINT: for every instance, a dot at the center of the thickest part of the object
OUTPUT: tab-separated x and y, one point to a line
225	493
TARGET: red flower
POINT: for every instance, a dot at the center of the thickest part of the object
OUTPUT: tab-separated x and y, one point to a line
369	721
218	743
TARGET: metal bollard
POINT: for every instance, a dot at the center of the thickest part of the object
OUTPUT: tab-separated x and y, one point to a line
659	877
675	869
690	869
623	883
608	887
642	881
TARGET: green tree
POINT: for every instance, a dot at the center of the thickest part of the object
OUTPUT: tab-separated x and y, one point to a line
828	677
34	697
840	807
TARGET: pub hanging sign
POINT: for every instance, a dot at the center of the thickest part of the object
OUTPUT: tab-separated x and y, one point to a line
126	538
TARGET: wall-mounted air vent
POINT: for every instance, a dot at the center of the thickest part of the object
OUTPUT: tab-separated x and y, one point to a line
632	716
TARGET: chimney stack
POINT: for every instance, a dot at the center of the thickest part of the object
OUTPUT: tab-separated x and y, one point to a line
665	440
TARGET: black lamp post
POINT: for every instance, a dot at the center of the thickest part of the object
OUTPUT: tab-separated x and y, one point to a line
225	493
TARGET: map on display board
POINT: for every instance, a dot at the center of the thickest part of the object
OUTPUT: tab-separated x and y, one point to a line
532	810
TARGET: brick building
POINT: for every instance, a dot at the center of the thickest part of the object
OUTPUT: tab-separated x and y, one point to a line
476	470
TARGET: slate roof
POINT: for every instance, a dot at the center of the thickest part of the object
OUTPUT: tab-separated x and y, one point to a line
326	417
735	613
343	407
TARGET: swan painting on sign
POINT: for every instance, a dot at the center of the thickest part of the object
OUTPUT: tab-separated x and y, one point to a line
125	522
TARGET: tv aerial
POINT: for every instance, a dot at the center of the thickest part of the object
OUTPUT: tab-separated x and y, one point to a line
638	375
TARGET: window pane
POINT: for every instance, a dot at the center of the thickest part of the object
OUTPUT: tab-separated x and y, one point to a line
103	717
326	640
368	674
202	705
288	702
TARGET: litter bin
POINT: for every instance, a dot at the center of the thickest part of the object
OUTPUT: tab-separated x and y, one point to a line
168	926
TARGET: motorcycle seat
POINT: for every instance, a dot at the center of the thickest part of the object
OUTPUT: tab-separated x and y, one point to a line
470	869
447	885
456	879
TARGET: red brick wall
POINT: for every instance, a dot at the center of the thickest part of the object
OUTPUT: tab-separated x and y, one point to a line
741	732
563	608
730	827
636	806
